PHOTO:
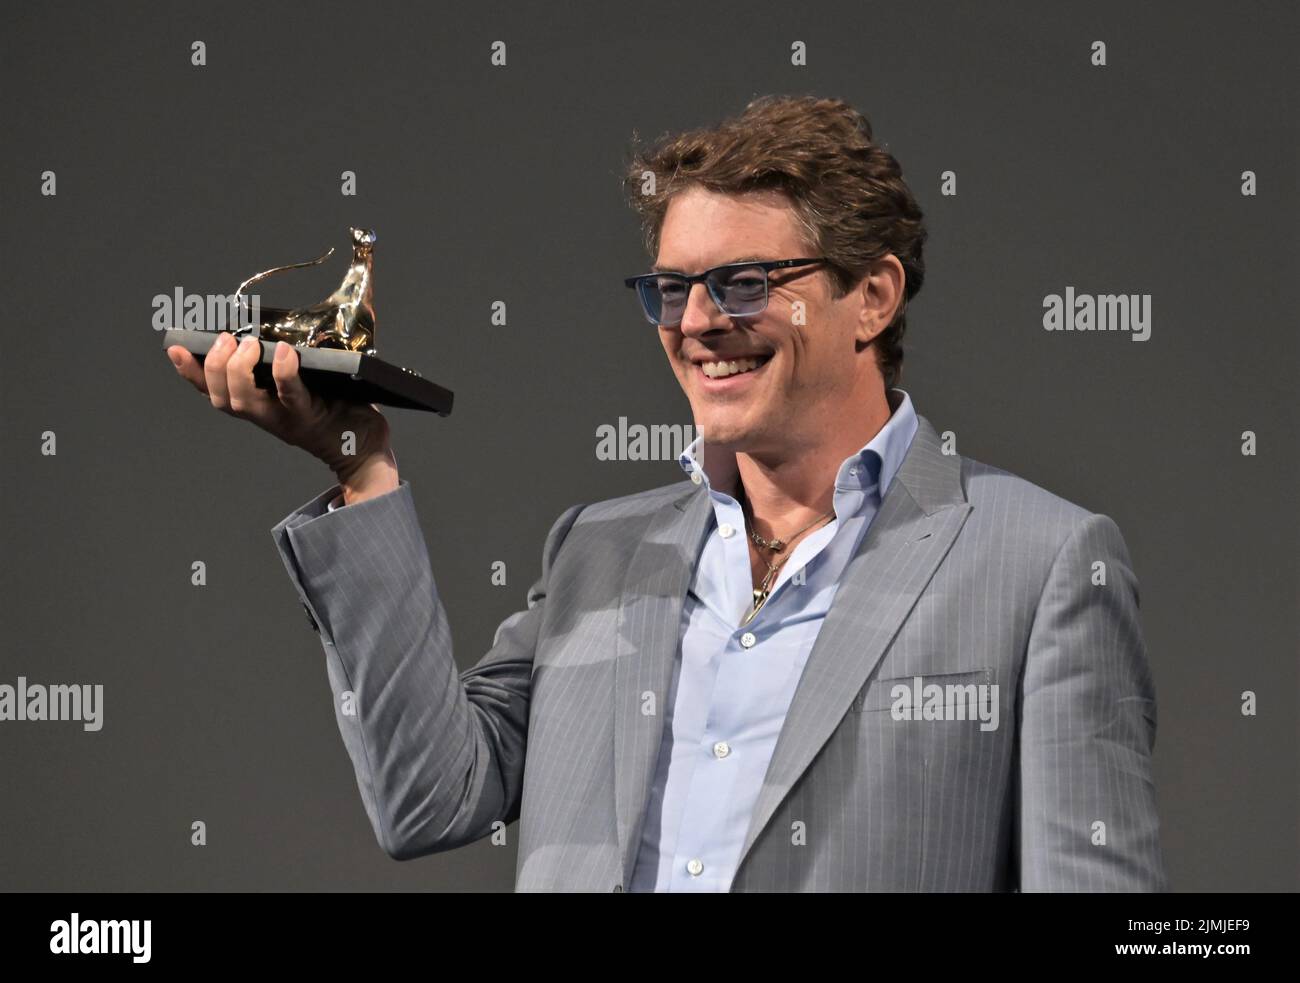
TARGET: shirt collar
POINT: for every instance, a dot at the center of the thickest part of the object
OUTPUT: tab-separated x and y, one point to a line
875	464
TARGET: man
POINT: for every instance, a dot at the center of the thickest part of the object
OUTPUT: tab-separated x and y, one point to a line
836	657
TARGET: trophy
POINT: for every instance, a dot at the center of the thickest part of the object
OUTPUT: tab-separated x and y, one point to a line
335	340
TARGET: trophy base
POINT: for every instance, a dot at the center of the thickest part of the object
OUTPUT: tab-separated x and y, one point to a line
335	374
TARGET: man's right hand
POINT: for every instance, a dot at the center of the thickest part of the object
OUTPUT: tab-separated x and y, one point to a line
295	414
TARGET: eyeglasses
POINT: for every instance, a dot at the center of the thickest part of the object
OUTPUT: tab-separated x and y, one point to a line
739	289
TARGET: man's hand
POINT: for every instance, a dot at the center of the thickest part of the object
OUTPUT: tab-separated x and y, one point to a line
295	414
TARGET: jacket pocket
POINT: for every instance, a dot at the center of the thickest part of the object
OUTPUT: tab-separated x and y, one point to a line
880	694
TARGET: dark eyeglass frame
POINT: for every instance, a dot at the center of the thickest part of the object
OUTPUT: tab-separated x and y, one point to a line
710	283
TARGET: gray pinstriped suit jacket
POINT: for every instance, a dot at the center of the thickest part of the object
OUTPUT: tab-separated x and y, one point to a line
966	574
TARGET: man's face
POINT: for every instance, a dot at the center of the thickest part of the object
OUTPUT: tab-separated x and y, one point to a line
810	364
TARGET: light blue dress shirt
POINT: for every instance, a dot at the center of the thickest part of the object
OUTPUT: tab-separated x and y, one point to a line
732	686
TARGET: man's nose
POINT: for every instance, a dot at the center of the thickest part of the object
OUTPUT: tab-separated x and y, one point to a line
702	313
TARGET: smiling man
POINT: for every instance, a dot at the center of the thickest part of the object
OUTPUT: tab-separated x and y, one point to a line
835	657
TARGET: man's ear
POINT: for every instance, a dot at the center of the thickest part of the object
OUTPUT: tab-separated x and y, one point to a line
879	294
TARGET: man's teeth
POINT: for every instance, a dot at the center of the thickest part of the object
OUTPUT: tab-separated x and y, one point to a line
720	370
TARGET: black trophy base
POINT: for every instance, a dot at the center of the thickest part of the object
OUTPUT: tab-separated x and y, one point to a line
336	374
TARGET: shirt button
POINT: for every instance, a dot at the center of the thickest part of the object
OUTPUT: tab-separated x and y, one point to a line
695	477
726	530
748	640
721	749
694	867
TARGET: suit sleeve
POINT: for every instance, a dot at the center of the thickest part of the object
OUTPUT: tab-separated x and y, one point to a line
438	754
1087	805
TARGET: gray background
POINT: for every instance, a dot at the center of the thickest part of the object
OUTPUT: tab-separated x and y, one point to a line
502	184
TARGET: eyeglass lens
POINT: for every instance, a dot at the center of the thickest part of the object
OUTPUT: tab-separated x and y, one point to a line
738	291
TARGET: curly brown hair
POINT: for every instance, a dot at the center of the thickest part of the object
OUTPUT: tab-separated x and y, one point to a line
848	194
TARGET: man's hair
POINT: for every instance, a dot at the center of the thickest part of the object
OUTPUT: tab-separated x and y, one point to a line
847	193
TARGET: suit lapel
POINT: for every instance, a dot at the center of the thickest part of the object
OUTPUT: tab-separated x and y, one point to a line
649	633
920	516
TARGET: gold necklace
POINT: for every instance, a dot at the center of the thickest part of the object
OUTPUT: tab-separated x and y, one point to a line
763	591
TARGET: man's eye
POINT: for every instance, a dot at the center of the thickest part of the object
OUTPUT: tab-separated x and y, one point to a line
746	285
